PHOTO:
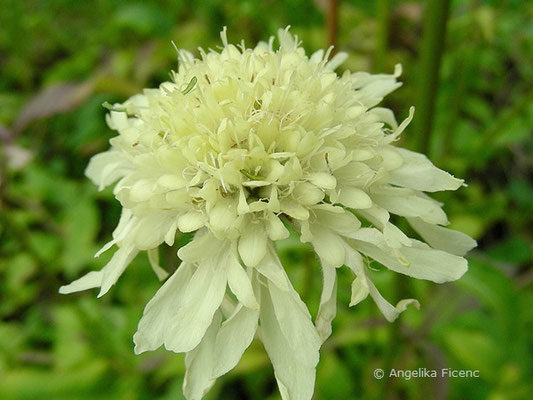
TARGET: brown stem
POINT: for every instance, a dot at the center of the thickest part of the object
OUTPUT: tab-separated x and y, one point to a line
333	23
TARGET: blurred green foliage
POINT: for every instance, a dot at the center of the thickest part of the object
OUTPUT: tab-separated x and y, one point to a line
60	60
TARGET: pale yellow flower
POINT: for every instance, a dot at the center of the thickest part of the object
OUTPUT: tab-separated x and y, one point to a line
239	146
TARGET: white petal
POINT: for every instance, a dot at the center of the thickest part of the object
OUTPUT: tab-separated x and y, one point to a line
286	40
296	380
115	267
360	290
379	217
417	172
394	136
240	284
203	243
328	302
182	310
419	261
191	221
385	115
222	215
125	225
407	203
295	324
391	158
323	180
161	310
153	258
233	339
389	311
336	60
142	190
306	193
91	280
275	228
440	238
273	271
354	198
294	209
242	207
344	223
273	202
253	244
170	236
328	246
395	237
150	230
105	168
201	299
199	364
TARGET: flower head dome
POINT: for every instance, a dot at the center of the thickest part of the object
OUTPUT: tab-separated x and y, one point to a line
240	145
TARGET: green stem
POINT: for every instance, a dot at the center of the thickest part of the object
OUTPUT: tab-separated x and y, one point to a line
383	12
435	19
463	68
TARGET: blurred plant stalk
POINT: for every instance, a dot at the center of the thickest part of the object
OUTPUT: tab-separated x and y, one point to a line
383	13
435	19
333	23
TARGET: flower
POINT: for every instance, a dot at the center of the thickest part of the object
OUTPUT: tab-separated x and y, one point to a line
241	145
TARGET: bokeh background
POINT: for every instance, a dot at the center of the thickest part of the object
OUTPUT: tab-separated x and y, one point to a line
467	68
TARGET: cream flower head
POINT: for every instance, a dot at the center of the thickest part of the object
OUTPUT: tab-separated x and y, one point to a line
240	145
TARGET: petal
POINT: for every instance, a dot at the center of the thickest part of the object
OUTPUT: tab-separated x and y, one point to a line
142	190
222	215
328	302
273	271
253	244
293	209
296	380
275	228
379	217
345	223
153	258
150	230
419	261
203	243
240	284
199	364
161	310
116	266
323	180
389	311
328	246
385	115
233	339
306	193
360	290
91	280
295	324
191	221
354	198
408	203
418	173
440	238
336	60
201	299
182	310
374	87
105	168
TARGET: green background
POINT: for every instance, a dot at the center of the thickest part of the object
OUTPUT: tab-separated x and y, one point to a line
60	60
